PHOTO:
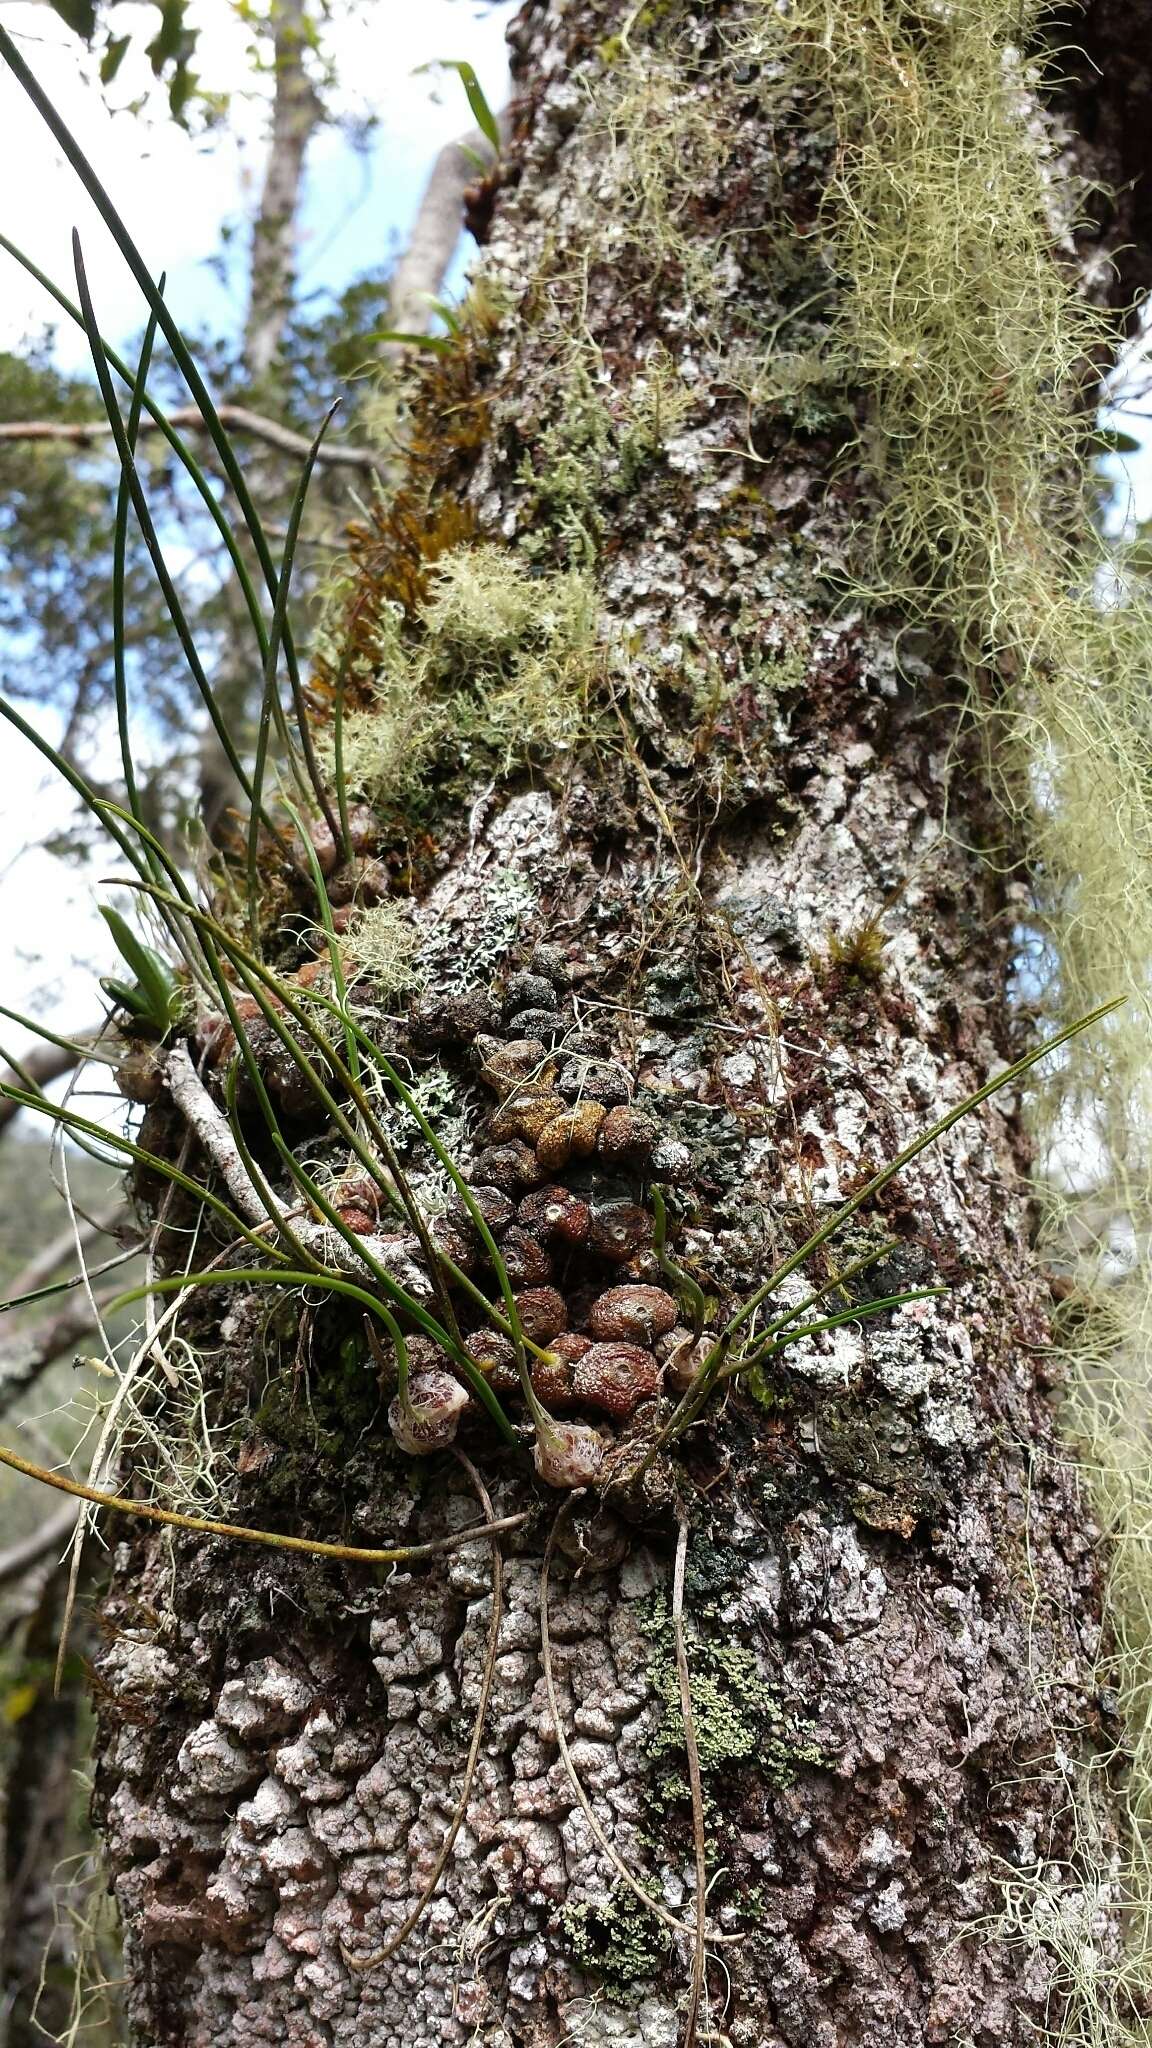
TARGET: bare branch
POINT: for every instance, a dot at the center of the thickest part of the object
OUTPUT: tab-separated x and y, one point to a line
43	1064
28	1353
237	418
209	1125
51	1535
64	1247
419	275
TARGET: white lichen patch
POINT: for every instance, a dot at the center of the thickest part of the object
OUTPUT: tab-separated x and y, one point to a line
831	1360
596	2023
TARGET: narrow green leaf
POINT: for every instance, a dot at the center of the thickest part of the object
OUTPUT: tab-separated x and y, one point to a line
271	664
156	991
180	448
440	343
119	557
147	527
115	51
482	113
78	15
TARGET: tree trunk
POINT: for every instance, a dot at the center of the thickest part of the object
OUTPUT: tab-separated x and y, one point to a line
296	110
756	880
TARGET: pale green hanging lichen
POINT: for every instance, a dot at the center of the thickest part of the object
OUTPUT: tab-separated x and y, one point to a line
960	316
381	942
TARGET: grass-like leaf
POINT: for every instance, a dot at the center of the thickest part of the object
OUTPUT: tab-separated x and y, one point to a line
697	1394
151	539
482	113
154	997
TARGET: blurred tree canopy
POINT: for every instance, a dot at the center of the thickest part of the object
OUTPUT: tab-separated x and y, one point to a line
58	482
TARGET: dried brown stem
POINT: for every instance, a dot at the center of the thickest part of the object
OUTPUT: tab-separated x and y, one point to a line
352	1553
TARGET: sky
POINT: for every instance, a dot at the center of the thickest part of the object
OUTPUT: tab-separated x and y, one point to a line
181	196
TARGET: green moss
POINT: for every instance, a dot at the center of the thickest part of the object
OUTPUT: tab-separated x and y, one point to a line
322	1416
856	956
656	405
564	472
494	672
616	1940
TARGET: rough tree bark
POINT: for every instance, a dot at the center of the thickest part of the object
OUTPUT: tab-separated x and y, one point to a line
765	920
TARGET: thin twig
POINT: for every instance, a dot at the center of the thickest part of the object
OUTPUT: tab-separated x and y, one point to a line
695	1783
402	1933
352	1553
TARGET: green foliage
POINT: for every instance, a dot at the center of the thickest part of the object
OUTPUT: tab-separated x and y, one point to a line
170	49
481	112
153	997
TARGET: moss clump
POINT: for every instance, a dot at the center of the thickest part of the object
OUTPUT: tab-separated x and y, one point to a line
856	956
656	405
494	672
616	1940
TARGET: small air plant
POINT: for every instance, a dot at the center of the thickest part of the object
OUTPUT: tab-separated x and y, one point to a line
152	1000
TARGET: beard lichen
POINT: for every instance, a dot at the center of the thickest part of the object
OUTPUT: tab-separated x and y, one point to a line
967	324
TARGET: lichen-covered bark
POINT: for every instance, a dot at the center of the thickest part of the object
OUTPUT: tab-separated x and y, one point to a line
759	876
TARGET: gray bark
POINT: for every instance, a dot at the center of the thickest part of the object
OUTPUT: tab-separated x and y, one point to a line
296	112
892	1583
423	264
